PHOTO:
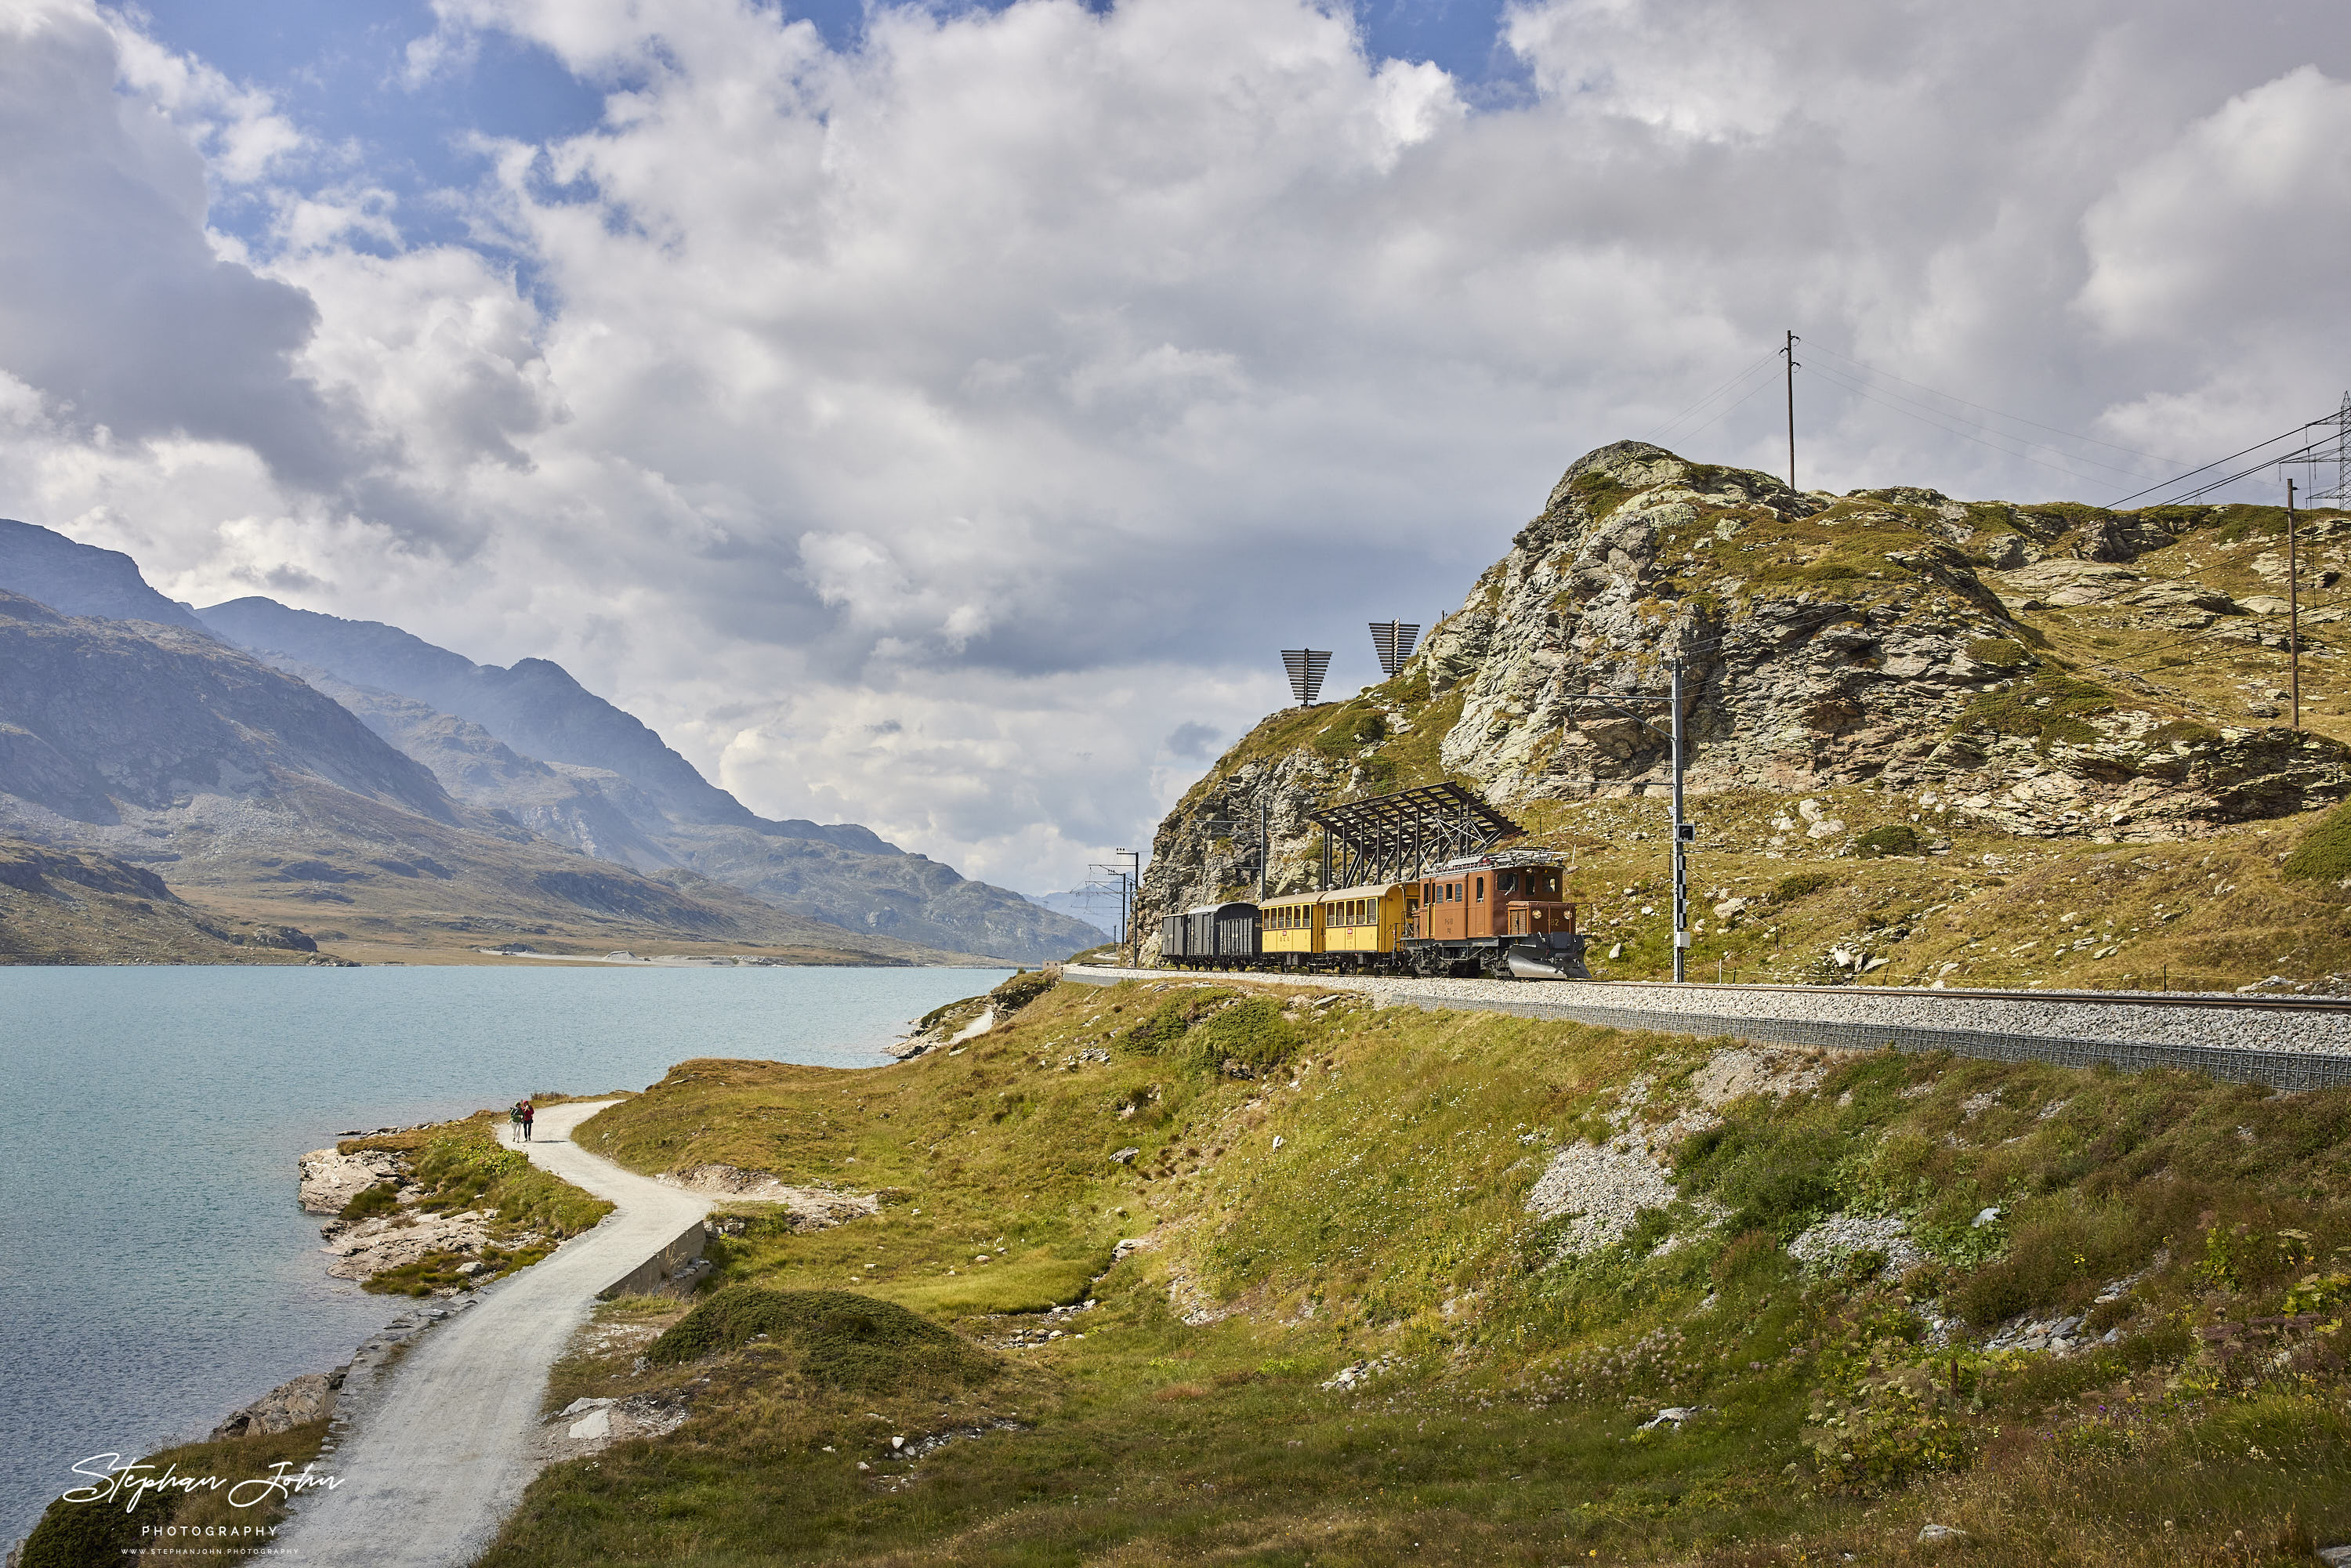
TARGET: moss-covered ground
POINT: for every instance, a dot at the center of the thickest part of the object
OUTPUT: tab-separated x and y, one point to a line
1361	1199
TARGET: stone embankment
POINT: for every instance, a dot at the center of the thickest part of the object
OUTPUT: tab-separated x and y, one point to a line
2241	1028
2181	1036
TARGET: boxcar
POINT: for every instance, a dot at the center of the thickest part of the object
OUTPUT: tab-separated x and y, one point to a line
1210	935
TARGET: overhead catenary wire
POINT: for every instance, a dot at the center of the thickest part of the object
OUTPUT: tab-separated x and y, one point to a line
1660	430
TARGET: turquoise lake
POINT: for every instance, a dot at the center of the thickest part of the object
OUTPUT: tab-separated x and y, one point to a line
154	1270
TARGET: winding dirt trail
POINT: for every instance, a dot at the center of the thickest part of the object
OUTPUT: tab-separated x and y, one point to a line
435	1467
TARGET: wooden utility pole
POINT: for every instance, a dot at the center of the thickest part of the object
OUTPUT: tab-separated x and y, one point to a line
2293	609
1790	350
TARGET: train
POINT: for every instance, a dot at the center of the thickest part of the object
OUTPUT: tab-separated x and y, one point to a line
1505	916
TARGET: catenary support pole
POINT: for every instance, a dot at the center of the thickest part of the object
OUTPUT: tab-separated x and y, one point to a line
2292	611
1681	864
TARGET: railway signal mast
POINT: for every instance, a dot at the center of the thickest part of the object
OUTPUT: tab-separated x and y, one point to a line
1685	833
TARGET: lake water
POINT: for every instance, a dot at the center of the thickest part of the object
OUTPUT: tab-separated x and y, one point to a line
154	1272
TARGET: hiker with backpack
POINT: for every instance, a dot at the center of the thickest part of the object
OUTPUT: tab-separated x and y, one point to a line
525	1121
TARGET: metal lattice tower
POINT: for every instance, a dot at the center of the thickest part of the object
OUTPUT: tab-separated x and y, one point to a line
1307	666
1393	640
2341	493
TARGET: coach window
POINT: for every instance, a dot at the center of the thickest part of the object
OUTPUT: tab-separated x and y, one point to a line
1481	890
1507	883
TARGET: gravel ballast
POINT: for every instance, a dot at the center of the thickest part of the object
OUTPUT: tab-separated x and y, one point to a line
2066	1029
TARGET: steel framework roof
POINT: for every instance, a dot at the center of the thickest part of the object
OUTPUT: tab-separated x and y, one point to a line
1390	837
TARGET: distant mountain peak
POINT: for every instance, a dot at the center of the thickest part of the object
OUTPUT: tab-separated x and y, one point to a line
75	579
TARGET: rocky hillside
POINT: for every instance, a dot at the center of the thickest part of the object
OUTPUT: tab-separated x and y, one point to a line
2005	685
70	906
81	580
264	802
532	749
533	745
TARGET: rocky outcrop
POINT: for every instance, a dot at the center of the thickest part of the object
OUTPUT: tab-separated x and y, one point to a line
330	1178
811	1208
362	1249
307	1398
1877	637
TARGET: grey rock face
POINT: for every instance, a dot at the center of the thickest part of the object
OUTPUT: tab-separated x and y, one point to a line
531	745
1824	641
75	579
98	716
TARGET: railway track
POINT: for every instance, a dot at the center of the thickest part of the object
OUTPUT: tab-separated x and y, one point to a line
2336	1005
2286	1042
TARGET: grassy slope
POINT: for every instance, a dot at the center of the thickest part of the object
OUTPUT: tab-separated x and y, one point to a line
1501	1421
72	907
2213	912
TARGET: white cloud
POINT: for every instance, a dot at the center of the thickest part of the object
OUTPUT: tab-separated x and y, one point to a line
1025	380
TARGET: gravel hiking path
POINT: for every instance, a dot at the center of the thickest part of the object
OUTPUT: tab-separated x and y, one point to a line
435	1467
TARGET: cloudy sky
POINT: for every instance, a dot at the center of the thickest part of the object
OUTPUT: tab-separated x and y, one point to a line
938	415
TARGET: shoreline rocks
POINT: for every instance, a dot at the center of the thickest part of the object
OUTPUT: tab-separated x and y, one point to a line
330	1178
291	1403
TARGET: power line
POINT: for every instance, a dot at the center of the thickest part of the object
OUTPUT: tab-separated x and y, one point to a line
2232	457
1985	408
1938	417
1710	397
1734	408
1874	395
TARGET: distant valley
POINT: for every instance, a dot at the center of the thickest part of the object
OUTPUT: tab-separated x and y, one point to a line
270	763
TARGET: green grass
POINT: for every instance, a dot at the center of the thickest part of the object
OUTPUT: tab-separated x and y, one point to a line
464	1165
104	1533
843	1339
1388	1224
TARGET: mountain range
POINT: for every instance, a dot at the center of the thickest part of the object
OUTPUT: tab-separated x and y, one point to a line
250	745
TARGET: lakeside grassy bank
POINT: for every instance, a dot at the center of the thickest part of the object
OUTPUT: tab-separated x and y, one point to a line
447	1167
1260	1274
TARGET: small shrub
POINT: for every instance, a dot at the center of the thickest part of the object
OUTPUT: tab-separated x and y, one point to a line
1252	1035
2045	710
1752	1259
380	1198
2000	653
2050	1262
843	1340
1775	1177
77	1535
1800	884
1901	1423
1166	1025
1893	839
1020	991
2324	852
